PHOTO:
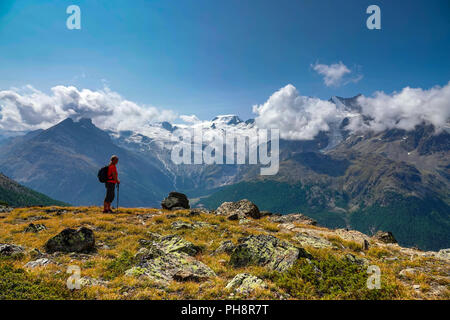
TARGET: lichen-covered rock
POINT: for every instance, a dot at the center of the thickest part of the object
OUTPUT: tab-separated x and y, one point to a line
293	217
239	210
172	266
265	213
35	228
89	282
7	249
407	273
444	254
198	211
266	250
386	237
38	263
179	225
306	240
174	243
71	240
148	253
6	209
245	283
226	246
354	259
175	201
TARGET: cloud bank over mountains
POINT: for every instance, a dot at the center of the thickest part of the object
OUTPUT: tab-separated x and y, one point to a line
298	117
302	118
30	109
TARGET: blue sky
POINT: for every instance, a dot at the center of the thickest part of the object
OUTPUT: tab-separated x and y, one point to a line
208	57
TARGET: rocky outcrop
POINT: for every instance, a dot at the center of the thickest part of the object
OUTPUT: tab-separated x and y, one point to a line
174	243
293	217
267	251
4	209
175	201
444	254
239	210
8	250
170	258
225	247
245	283
307	240
386	237
180	225
71	240
356	260
172	266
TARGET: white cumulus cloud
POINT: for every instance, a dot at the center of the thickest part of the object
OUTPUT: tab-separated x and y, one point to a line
298	117
30	109
302	118
334	74
405	109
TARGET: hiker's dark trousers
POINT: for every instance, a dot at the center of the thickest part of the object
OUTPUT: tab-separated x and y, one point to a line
110	188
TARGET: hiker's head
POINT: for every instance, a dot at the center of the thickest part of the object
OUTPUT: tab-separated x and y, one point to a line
114	159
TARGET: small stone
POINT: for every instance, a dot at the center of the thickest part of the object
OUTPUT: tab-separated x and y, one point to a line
8	250
178	225
385	237
365	245
354	259
35	228
38	263
226	246
148	253
243	221
245	283
89	282
408	272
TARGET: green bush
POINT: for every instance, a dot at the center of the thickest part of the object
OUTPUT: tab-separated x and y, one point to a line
17	284
330	278
119	265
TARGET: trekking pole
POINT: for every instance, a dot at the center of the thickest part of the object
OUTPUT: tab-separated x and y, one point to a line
117	209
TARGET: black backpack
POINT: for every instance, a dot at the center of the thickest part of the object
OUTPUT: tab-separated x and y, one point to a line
103	174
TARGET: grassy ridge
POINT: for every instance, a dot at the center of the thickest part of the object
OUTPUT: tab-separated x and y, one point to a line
16	195
27	198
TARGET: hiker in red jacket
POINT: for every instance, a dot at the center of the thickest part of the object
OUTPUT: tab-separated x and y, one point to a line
111	184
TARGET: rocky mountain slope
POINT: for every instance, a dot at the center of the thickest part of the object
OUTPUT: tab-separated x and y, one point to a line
16	195
234	252
63	162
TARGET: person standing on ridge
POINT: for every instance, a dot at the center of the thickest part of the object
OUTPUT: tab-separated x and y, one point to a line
110	184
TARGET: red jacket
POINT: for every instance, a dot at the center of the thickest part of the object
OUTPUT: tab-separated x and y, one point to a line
112	169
